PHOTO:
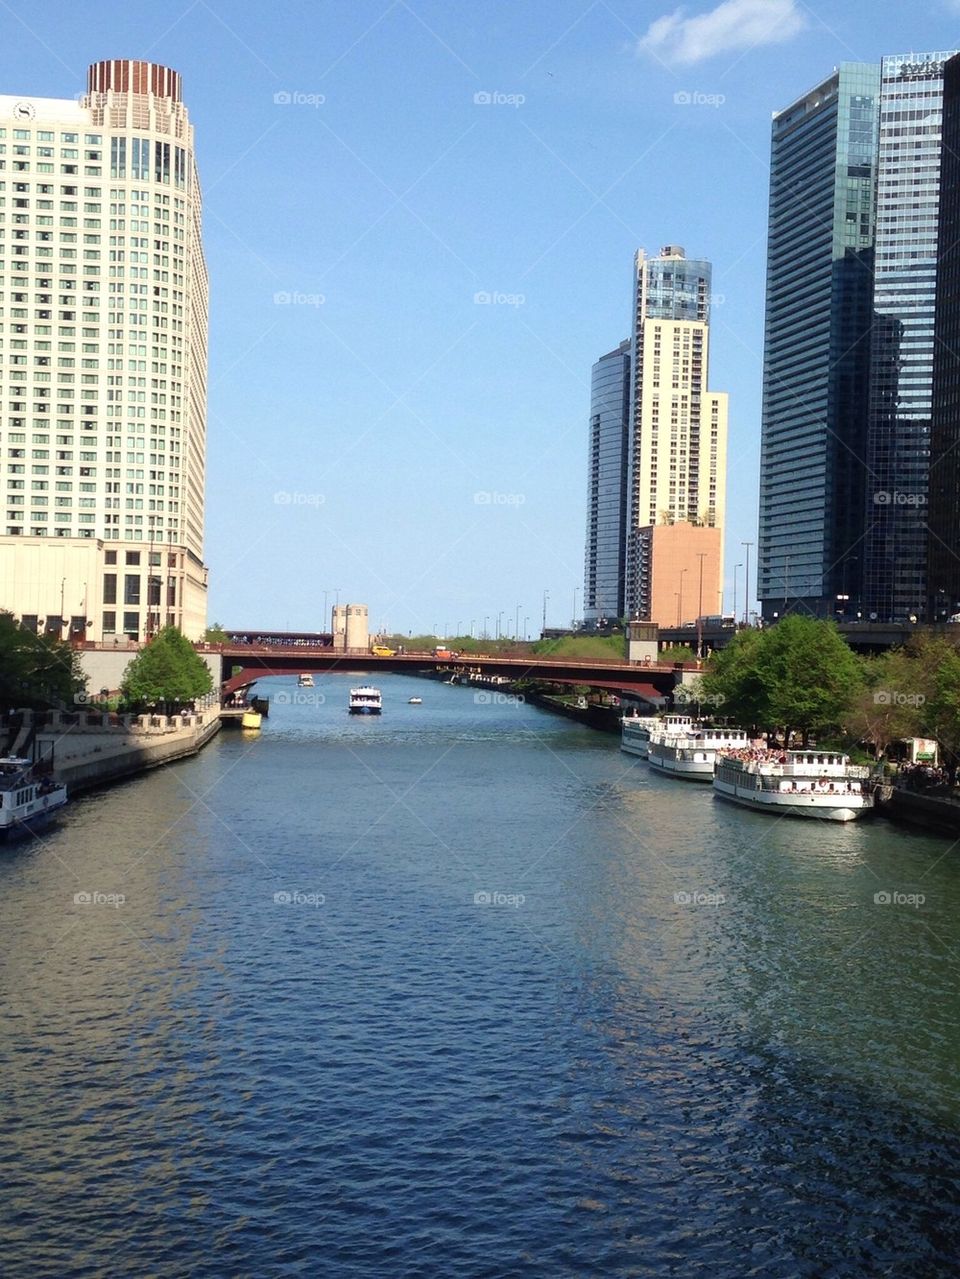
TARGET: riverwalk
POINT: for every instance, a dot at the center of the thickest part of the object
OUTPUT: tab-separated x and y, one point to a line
89	749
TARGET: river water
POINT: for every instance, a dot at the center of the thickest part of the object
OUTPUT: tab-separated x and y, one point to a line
466	991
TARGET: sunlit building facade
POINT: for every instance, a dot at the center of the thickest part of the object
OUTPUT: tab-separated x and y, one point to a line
103	359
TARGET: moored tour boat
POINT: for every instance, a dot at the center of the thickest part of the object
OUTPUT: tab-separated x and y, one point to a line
365	700
796	783
27	803
636	730
692	754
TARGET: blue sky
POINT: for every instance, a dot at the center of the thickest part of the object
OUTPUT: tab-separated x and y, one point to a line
353	426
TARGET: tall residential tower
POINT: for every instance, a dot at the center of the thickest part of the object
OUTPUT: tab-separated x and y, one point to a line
103	358
678	445
605	559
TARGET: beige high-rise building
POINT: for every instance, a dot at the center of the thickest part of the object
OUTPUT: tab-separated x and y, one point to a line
103	359
678	430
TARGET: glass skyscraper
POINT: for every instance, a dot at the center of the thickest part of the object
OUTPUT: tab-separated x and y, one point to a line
943	518
817	346
901	384
607	486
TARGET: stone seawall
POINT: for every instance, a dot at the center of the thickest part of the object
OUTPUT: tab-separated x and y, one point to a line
106	763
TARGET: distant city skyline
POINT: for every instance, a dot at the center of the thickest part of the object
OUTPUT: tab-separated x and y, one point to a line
525	157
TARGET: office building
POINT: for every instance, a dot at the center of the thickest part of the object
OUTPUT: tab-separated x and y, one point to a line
904	304
817	346
103	359
943	518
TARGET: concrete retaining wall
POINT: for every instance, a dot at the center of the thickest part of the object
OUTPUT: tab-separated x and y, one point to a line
106	762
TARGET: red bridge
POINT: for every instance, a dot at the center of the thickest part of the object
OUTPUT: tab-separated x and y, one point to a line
245	663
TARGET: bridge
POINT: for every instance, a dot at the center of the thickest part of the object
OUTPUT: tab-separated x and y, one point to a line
245	663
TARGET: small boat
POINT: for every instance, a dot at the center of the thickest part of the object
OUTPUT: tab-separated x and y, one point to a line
693	754
27	803
796	784
305	681
636	730
415	701
365	700
251	719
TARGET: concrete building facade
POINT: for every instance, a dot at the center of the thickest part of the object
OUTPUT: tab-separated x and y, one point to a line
350	626
103	359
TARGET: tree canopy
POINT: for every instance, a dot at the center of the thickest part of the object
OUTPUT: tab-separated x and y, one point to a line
168	672
36	671
798	676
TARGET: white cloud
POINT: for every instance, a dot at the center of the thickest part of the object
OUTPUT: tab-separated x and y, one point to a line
733	26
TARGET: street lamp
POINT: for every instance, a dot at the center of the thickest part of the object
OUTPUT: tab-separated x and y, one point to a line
735	567
546	596
516	628
746	586
700	556
485	621
526	632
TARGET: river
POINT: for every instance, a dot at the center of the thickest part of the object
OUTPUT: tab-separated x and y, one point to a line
465	991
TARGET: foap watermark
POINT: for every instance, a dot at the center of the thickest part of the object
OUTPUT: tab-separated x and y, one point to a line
887	497
297	898
484	898
698	897
99	899
893	697
297	98
494	98
491	497
686	696
292	297
696	98
91	699
485	297
498	699
284	498
890	897
298	697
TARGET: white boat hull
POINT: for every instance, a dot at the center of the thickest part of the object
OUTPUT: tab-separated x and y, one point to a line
825	807
45	810
691	770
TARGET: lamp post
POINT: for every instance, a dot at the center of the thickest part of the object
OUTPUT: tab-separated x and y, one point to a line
526	622
546	596
746	586
735	567
700	555
499	623
485	621
516	628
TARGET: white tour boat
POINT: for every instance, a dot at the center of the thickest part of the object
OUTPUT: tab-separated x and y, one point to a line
27	803
796	783
305	681
415	701
365	701
692	754
636	730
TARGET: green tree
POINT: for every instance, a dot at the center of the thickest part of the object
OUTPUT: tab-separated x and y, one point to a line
215	634
810	676
36	671
167	672
732	680
935	686
889	707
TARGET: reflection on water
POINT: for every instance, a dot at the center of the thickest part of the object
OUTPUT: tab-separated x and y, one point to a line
464	990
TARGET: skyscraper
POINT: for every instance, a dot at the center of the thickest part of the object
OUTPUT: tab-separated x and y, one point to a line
904	302
678	431
605	559
103	366
943	515
817	346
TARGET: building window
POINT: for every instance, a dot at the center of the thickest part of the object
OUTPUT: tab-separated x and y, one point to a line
109	623
131	625
131	589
